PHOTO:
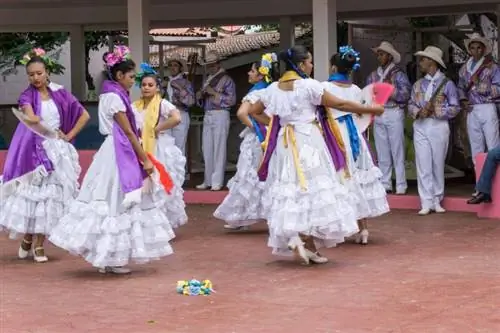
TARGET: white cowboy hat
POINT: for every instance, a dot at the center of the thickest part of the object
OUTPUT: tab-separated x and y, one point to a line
211	57
477	38
434	53
177	58
388	48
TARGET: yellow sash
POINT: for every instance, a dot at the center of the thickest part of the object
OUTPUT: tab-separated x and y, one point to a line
150	121
290	140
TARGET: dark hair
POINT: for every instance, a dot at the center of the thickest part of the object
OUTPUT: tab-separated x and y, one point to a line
274	72
292	57
124	67
151	75
344	63
37	60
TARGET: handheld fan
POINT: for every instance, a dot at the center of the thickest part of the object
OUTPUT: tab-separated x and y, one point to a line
165	178
376	93
39	129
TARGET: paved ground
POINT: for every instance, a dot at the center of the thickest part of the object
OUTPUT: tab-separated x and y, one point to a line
435	274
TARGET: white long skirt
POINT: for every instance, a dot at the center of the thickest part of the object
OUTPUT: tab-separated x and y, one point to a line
175	163
35	202
325	210
102	230
243	206
364	181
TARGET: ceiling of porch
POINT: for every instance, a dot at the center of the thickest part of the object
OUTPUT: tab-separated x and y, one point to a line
112	14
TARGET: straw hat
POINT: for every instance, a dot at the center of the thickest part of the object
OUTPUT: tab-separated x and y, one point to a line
177	58
434	53
477	38
388	48
211	57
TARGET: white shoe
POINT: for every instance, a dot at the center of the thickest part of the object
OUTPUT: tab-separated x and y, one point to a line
232	227
316	257
202	186
297	246
401	192
37	258
216	188
22	253
424	211
439	209
114	270
362	237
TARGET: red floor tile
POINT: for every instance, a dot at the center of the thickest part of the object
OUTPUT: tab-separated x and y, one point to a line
431	274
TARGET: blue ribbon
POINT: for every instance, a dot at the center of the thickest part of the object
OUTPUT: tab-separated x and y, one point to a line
339	77
353	134
258	128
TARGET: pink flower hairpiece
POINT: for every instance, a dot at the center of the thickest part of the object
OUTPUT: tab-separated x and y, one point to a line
120	53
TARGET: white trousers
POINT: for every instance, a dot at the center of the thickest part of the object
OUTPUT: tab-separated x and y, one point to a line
180	132
482	128
431	138
214	146
388	130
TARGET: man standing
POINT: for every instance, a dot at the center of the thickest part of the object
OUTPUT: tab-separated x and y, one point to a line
179	92
434	101
217	96
478	88
389	127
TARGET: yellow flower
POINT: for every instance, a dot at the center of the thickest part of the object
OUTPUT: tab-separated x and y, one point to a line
263	70
267	57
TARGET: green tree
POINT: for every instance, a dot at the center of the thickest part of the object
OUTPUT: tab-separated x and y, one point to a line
13	46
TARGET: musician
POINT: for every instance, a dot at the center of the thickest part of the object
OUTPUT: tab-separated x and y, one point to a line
217	96
179	92
434	101
389	127
479	87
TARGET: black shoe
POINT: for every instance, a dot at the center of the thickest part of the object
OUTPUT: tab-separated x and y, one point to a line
479	198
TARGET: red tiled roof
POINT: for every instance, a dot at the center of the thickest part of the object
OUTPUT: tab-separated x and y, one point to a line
179	32
226	47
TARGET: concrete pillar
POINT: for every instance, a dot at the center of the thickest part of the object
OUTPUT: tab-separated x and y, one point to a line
138	34
287	36
324	36
77	62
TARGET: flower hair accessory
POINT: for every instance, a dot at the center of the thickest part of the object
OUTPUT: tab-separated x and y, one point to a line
146	70
266	65
120	53
348	52
52	66
194	287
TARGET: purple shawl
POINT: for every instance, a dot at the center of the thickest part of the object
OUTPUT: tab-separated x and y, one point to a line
26	152
274	129
332	144
130	170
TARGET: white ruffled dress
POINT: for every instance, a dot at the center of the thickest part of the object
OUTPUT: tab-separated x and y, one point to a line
34	202
243	206
174	161
99	227
364	180
324	209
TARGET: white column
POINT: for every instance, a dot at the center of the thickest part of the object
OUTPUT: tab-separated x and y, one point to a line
77	62
138	33
324	36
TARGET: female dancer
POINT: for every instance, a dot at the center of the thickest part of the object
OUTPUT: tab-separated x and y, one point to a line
309	206
360	175
154	116
41	175
114	220
243	206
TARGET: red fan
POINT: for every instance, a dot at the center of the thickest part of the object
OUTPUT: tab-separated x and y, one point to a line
165	178
382	92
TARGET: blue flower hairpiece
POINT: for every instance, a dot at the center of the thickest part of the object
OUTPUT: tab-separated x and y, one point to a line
347	50
146	69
